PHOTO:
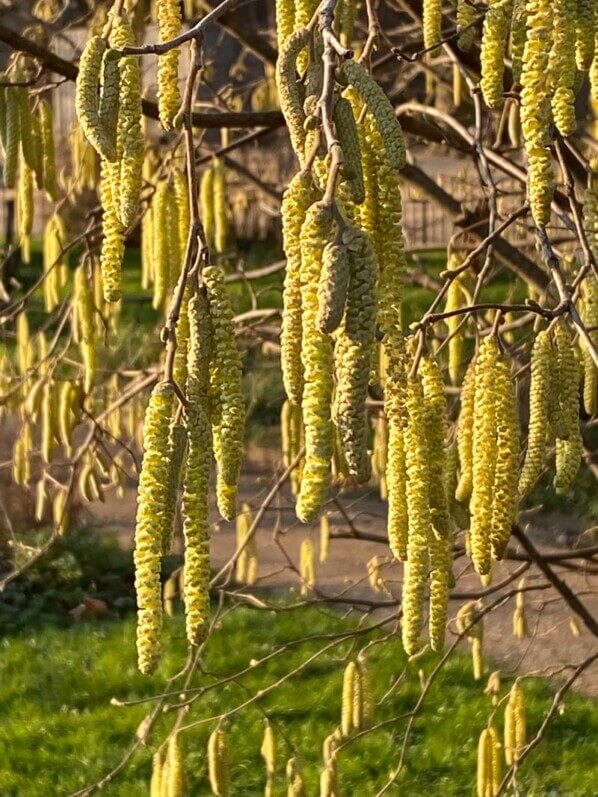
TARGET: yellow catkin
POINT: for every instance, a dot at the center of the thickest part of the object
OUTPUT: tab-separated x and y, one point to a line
324	537
465	435
465	17
420	524
285	20
569	447
484	453
227	404
49	157
353	354
129	143
541	361
87	99
484	771
161	261
307	570
381	109
366	695
590	318
156	779
61	512
506	469
562	66
289	94
84	308
207	205
348	136
455	300
176	453
197	475
333	285
48	429
432	25
66	414
113	242
585	34
268	750
296	784
469	622
380	454
221	231
496	762
12	138
172	776
317	360
436	422
519	618
535	109
218	768
515	725
297	199
247	562
350	678
494	39
152	499
517	42
181	193
25	210
169	95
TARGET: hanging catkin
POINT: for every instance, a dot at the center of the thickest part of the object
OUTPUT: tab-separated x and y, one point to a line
113	242
152	499
25	210
227	406
206	194
569	444
455	299
317	360
535	109
129	139
297	199
289	94
432	25
484	454
541	361
12	137
590	318
197	474
49	157
465	20
420	523
505	494
436	422
221	231
465	435
562	66
381	109
494	39
218	763
585	34
87	98
169	96
161	261
515	730
353	354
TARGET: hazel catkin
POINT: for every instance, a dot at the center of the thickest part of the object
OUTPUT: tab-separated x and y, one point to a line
152	499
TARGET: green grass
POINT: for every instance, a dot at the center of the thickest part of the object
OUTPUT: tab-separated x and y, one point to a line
59	732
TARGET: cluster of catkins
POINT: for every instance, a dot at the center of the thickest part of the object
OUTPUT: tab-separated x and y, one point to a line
490	750
109	108
184	440
27	144
551	46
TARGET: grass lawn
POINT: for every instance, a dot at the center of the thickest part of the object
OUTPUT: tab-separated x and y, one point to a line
59	731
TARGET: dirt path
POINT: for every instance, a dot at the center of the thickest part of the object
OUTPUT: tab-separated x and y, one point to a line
550	645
